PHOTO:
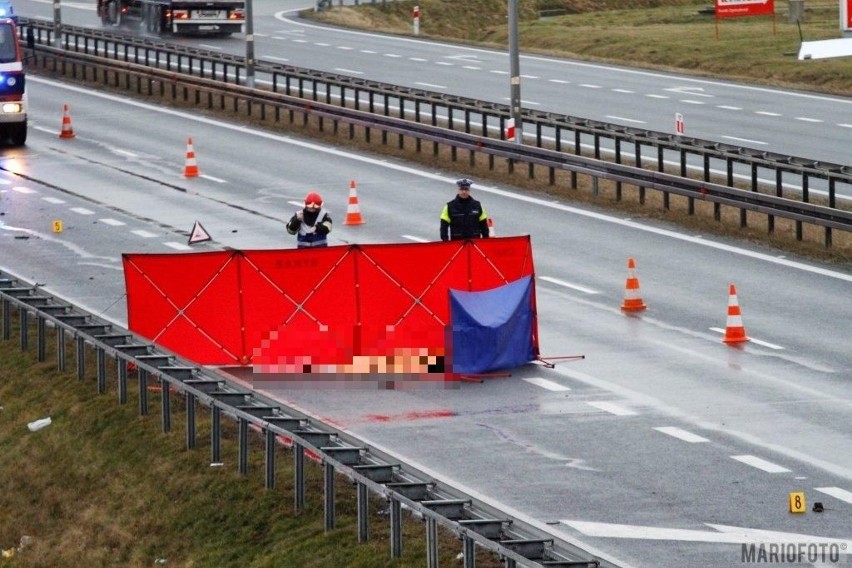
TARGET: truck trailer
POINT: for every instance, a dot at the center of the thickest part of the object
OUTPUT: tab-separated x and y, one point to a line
158	17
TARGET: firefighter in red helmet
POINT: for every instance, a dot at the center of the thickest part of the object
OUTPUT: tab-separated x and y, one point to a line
312	224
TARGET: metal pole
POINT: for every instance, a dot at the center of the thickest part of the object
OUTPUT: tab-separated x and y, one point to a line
57	25
515	71
249	45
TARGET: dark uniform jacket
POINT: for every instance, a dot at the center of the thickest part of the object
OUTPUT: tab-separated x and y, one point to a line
463	219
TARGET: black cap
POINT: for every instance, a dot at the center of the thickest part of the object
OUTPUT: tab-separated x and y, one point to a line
464	182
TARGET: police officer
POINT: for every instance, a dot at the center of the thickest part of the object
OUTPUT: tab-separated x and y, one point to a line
463	217
312	224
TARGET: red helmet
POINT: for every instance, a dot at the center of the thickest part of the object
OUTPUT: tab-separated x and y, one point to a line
313	198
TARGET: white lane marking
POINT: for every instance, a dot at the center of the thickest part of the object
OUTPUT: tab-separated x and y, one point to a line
613	117
273	58
746	140
445	63
54	200
836	492
499	72
144	234
761	464
767	113
431	86
590	86
345	48
211	178
725	534
300	41
472	67
521	198
523	101
21	189
753	340
559	282
681	434
653	96
729	107
82	211
127	153
559	81
545	384
610	407
418	59
369	51
210	46
348	71
415	239
806	119
691	102
112	222
177	246
625	91
321	44
845	125
392	55
530	77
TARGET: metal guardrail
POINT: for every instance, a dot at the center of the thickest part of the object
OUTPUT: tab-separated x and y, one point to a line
373	472
552	130
214	93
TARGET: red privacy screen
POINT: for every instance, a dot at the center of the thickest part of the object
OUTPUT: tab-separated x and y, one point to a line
321	305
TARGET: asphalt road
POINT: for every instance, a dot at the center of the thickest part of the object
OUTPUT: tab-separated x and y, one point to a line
663	447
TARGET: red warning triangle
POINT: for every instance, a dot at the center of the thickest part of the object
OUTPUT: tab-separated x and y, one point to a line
198	234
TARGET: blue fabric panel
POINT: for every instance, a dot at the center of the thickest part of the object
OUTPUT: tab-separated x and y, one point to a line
492	329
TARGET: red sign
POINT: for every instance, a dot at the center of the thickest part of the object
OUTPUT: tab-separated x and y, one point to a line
738	8
848	14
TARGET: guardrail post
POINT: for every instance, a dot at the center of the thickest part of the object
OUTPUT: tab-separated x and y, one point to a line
395	528
328	478
509	563
215	434
618	161
469	552
190	421
122	381
142	378
270	459
363	505
24	328
242	461
7	320
101	370
299	474
431	542
41	338
167	405
81	358
60	348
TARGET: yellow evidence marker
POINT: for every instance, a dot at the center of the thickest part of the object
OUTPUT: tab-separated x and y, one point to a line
797	502
57	226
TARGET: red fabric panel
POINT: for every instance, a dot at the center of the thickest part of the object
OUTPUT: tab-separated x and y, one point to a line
186	303
293	308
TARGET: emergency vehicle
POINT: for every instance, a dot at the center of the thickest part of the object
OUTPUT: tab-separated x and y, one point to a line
13	94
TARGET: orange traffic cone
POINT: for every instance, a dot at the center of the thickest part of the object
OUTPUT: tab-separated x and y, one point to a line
353	212
632	299
67	131
191	167
491	231
734	330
